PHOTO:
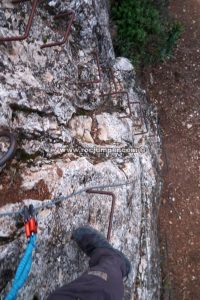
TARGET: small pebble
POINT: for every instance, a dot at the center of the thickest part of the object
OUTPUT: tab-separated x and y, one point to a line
189	126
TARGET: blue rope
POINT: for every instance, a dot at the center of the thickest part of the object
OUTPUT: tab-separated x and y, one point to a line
23	269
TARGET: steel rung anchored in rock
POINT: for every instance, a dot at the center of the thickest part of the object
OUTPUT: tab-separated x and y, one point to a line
115	93
86	82
142	117
28	26
67	32
130	110
92	191
110	71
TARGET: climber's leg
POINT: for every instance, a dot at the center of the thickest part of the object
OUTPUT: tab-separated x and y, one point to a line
104	279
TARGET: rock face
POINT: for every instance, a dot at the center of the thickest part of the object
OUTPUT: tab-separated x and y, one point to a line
81	122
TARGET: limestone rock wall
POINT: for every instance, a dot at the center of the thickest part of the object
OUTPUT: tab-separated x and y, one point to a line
73	135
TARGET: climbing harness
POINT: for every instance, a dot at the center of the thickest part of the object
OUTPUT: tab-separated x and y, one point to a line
24	267
9	154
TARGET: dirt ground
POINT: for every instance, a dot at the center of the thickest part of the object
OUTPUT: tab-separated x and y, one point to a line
174	87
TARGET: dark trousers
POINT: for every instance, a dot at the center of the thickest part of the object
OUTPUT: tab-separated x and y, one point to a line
103	280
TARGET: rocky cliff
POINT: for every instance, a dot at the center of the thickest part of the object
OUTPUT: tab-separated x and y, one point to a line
81	121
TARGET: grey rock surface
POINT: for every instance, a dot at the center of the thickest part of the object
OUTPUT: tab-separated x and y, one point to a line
72	135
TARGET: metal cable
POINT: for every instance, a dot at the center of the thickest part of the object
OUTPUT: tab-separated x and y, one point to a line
63	198
9	154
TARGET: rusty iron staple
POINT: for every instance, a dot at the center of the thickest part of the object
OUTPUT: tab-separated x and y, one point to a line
67	32
128	99
111	77
9	154
142	119
86	82
110	94
130	110
155	125
115	92
91	191
112	72
100	69
28	26
129	103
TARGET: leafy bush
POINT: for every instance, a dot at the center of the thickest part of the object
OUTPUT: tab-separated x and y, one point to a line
142	34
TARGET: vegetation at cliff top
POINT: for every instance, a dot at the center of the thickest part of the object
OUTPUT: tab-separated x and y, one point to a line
144	35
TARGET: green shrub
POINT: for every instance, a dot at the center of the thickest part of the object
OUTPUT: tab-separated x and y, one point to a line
142	34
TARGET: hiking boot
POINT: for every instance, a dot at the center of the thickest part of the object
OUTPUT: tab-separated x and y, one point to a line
89	239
